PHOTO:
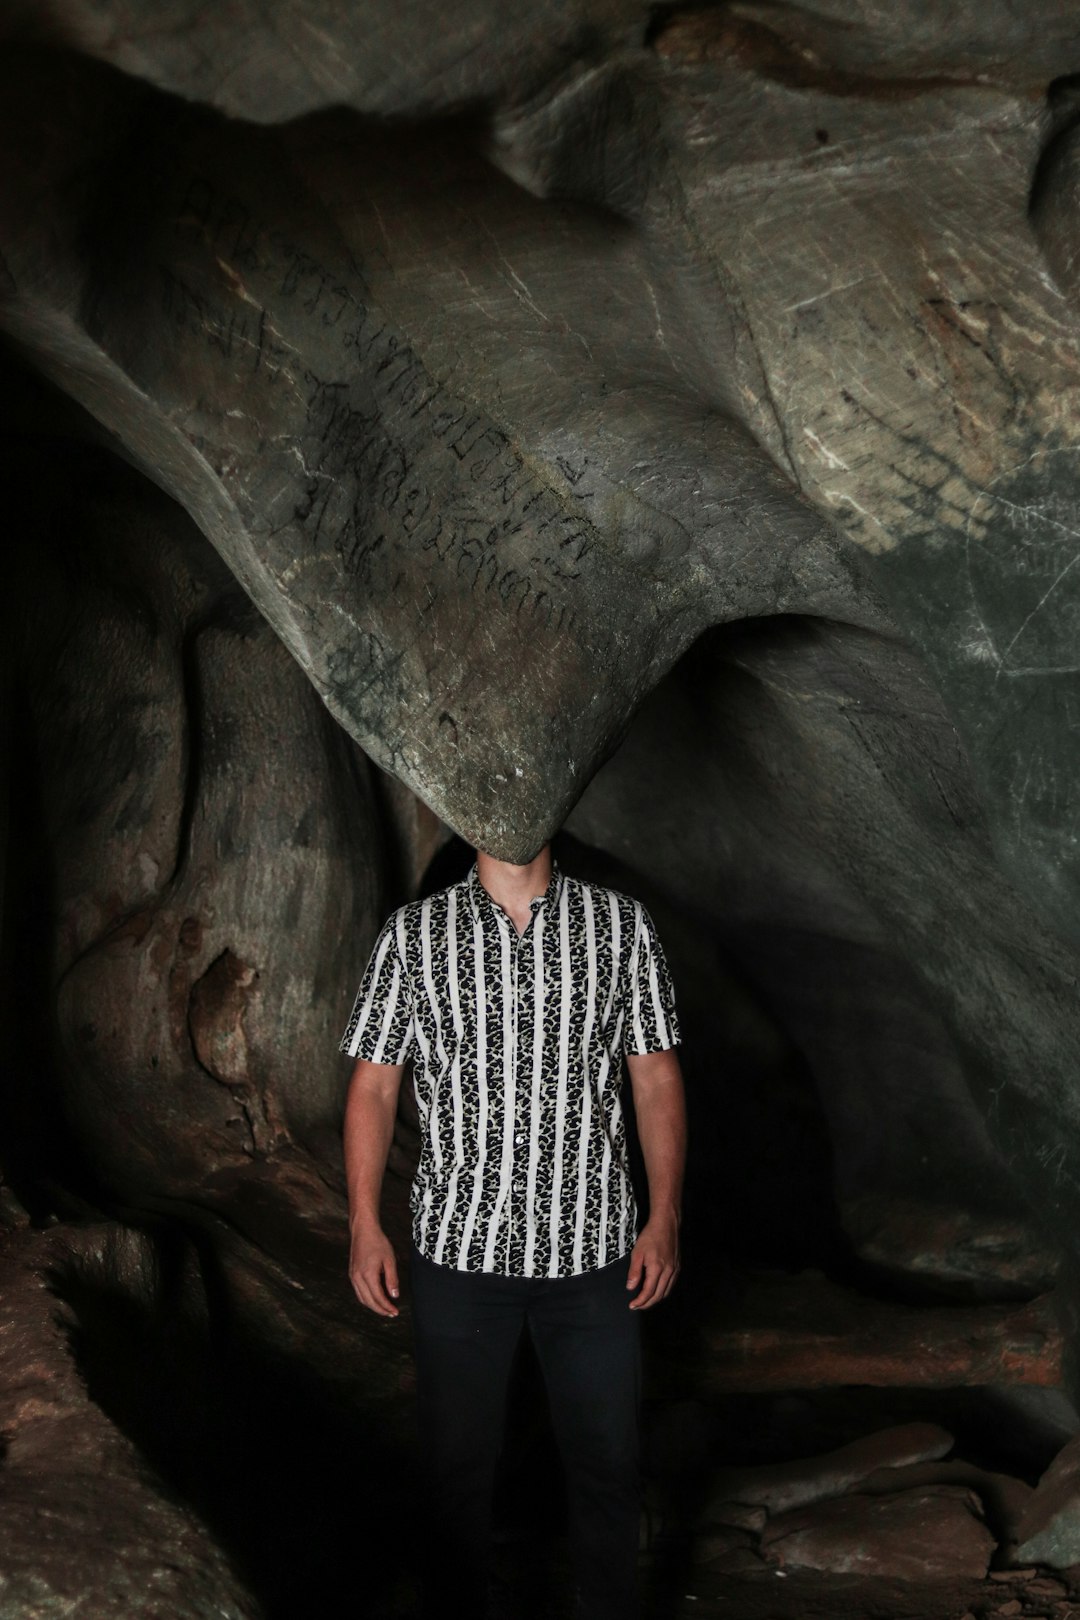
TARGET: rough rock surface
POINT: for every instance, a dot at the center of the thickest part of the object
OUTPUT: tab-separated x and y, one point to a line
449	553
705	377
86	1527
808	1333
907	280
730	1550
816	300
951	1247
199	882
1049	1531
919	373
790	1485
205	824
857	291
915	1535
854	883
278	61
1004	1498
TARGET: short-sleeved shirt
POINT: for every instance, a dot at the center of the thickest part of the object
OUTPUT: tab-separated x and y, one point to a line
517	1046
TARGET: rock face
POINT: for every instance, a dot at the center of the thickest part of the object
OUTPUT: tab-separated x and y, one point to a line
1049	1532
87	1528
786	1486
796	817
207	822
914	1536
704	382
950	1245
271	62
808	1333
905	440
885	1505
489	461
201	871
659	423
352	455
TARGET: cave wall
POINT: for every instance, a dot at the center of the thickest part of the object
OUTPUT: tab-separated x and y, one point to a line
656	423
213	841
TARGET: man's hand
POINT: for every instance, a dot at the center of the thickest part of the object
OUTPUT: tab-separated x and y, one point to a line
373	1269
654	1263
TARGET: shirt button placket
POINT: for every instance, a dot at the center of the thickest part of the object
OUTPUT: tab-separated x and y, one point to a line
511	1212
521	1135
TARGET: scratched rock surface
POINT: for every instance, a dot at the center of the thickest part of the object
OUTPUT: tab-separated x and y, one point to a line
902	344
208	835
824	288
746	312
944	1244
482	577
274	61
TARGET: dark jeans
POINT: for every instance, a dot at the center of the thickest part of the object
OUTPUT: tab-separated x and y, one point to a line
467	1327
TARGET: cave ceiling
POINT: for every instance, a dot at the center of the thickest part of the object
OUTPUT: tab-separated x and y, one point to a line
691	386
500	359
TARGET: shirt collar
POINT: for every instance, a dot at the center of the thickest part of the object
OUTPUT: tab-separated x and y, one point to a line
484	905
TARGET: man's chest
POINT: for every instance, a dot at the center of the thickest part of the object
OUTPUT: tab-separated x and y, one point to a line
541	993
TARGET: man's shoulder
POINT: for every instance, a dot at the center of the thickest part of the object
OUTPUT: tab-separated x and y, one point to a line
430	909
605	899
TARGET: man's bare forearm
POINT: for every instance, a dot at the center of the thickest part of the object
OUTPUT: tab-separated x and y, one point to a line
660	1107
370	1110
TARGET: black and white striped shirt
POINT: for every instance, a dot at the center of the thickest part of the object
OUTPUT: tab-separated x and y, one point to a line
517	1045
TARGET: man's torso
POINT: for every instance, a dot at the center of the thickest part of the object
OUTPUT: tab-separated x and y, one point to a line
517	1044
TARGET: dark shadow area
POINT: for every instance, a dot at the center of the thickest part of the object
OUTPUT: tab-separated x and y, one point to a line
1063	115
39	1157
307	1495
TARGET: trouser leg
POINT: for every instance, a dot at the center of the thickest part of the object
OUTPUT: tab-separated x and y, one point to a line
466	1328
587	1343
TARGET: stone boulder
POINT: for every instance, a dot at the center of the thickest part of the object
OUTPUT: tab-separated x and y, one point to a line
932	1534
1049	1531
779	1487
87	1526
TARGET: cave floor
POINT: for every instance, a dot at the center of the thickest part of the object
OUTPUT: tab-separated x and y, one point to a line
816	1596
535	1585
283	1498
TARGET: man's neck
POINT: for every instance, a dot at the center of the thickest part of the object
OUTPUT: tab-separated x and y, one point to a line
512	887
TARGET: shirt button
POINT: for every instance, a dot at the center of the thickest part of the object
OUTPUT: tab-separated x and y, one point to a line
519	1138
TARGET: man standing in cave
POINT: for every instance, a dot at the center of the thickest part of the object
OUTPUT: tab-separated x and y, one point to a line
518	992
